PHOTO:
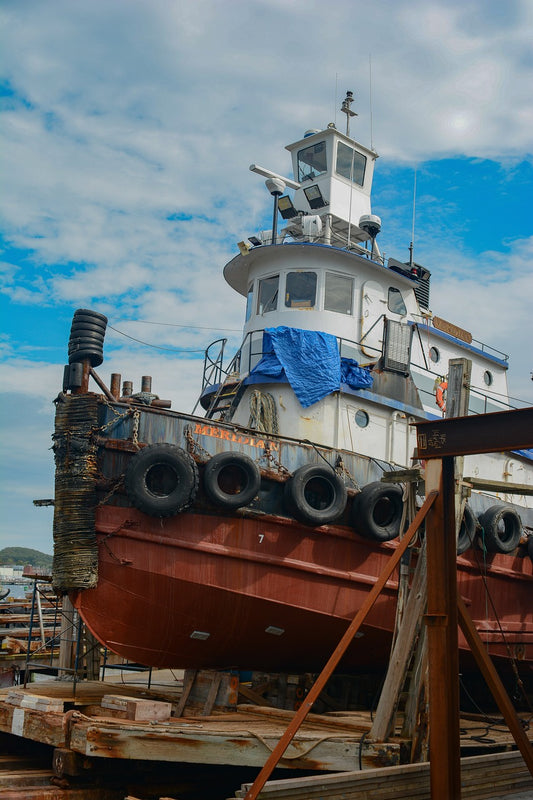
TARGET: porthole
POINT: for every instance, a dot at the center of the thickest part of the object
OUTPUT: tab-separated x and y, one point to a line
488	378
361	418
434	354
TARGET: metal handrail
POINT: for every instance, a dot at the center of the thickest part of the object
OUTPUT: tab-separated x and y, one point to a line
215	372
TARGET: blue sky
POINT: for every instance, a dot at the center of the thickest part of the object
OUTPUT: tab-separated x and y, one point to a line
127	130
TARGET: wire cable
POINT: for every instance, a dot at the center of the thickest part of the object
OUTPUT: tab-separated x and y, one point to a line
157	346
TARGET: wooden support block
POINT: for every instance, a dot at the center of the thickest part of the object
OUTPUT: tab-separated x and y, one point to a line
208	689
138	708
35	702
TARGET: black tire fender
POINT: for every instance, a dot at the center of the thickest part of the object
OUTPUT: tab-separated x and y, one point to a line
315	495
90	316
467	531
84	328
231	480
502	529
377	511
161	480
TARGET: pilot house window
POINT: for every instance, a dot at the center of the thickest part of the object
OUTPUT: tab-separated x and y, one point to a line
350	164
300	290
338	293
395	301
267	296
312	162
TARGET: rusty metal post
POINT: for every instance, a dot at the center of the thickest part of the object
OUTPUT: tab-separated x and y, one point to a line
115	384
339	651
495	685
441	621
84	387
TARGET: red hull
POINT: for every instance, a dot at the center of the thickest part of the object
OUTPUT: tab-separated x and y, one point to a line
165	583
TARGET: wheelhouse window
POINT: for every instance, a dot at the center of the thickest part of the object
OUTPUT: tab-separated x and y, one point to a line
350	164
267	296
338	293
249	301
395	301
300	290
312	162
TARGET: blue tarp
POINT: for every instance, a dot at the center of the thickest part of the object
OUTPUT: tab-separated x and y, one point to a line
355	376
310	362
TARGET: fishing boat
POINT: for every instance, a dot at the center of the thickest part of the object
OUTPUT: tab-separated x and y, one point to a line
247	534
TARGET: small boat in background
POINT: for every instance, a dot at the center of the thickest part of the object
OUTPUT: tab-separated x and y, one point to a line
248	537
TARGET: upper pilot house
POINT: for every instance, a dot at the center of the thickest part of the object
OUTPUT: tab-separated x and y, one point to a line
318	273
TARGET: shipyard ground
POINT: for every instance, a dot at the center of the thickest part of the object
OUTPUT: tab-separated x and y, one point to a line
80	742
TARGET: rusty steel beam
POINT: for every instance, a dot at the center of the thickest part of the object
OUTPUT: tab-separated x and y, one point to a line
441	622
495	685
486	433
339	651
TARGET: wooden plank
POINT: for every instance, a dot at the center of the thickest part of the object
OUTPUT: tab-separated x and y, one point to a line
191	742
482	777
505	487
138	708
188	682
212	695
384	718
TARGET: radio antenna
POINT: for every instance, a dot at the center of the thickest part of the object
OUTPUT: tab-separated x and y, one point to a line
336	96
346	103
412	245
371	106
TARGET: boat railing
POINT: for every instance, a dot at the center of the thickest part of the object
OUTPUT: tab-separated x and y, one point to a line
251	351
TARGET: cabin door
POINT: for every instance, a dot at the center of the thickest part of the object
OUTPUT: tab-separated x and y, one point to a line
373	308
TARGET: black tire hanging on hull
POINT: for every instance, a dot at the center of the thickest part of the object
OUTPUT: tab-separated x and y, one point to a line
502	528
377	511
467	531
161	480
315	495
231	480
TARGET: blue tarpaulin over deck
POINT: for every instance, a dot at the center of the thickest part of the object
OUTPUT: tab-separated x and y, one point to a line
311	363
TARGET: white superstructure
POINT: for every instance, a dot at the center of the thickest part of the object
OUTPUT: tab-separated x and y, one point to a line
324	272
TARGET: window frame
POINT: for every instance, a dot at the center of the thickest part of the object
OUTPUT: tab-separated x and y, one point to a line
261	282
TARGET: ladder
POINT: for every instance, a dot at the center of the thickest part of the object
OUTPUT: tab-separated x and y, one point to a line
226	398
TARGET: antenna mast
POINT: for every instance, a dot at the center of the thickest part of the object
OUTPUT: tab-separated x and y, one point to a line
345	108
412	245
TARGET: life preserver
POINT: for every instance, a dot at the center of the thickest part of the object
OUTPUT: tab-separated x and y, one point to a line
161	480
440	395
315	495
467	531
231	479
502	529
377	511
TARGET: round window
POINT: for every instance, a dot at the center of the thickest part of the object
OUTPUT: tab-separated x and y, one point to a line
434	354
361	418
487	377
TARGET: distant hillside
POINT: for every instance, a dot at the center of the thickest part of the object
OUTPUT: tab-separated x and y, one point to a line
20	556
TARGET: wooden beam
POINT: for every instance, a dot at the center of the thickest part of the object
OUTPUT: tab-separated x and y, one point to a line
383	723
500	486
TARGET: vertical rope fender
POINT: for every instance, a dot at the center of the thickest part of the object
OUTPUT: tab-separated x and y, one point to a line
75	564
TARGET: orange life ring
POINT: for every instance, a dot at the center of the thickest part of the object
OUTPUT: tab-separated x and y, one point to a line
440	398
